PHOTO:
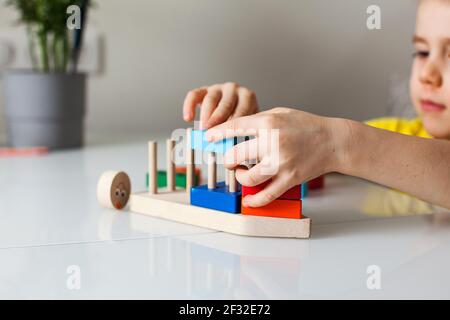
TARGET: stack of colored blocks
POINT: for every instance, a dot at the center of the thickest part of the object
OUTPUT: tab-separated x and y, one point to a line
199	142
305	188
180	177
288	205
314	184
219	198
317	183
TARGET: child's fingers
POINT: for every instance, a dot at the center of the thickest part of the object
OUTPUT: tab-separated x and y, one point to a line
209	104
193	98
247	150
253	176
226	105
270	193
237	127
247	104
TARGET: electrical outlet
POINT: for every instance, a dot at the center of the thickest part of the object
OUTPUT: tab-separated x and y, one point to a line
14	52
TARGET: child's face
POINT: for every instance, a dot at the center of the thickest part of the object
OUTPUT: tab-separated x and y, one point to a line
430	77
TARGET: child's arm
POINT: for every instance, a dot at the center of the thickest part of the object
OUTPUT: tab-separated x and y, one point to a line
311	145
219	103
418	166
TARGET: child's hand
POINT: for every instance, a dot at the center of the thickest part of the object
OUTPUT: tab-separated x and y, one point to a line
219	103
309	146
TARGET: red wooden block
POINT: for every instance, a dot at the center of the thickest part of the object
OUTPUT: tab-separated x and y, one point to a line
290	209
292	194
317	183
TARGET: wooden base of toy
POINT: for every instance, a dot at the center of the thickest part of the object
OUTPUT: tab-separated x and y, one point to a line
175	206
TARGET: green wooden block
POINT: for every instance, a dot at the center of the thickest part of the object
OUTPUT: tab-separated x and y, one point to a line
161	179
180	179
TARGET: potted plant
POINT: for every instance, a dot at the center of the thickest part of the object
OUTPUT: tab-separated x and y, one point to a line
46	106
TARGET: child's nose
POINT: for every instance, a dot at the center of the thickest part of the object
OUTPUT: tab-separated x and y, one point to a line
431	75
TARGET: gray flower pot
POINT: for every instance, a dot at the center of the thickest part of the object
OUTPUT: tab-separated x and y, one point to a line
45	109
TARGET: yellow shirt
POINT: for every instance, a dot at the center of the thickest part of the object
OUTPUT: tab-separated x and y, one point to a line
411	127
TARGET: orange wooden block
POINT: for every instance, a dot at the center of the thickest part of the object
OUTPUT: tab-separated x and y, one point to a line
291	209
183	170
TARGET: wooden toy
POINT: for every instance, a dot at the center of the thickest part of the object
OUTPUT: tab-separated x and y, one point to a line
183	170
291	209
177	205
223	196
304	190
199	142
152	167
226	174
190	162
113	189
180	177
212	171
232	183
317	183
288	205
292	194
174	206
170	146
219	198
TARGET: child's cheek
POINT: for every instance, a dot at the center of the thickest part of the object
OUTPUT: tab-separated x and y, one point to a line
446	88
414	88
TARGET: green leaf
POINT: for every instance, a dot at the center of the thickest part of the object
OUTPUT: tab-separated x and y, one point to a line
46	19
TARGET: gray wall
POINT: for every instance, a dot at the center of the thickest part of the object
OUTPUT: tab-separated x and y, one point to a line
312	54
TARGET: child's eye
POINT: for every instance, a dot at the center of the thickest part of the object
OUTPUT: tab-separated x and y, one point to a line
421	54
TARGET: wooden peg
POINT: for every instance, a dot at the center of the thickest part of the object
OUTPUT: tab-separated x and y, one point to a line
212	171
250	163
170	146
227	176
152	167
232	183
190	162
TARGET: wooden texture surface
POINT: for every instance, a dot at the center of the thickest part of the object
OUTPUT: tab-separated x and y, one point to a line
175	206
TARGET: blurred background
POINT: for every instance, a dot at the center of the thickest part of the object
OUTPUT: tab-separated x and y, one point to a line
144	55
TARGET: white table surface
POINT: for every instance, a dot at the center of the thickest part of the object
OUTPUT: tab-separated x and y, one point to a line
50	220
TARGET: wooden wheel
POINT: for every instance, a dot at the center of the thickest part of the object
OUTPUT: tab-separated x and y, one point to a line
114	189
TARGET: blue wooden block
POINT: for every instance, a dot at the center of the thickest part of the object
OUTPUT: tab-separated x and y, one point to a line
218	199
304	190
199	142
